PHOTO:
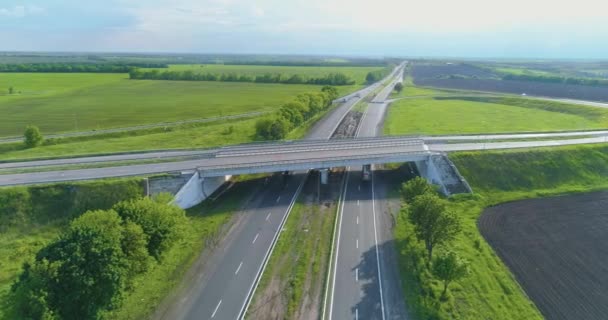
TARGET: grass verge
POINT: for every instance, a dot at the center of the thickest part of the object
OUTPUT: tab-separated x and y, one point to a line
491	292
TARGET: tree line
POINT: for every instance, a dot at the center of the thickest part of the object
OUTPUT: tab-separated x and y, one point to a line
434	226
295	113
77	67
377	75
556	79
333	79
93	263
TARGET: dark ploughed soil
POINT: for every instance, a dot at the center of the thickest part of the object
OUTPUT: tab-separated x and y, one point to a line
558	250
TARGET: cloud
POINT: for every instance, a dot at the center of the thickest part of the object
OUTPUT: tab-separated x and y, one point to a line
21	11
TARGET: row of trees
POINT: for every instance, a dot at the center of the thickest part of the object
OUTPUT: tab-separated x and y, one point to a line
77	67
434	226
94	262
333	79
377	75
295	113
556	79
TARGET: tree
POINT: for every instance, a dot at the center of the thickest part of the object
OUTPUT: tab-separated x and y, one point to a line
11	90
416	187
331	92
32	136
433	224
161	222
398	87
91	271
449	267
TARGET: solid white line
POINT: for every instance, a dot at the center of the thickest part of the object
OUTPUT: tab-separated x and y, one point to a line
279	198
258	276
256	237
216	307
239	268
357	274
333	286
376	241
268	216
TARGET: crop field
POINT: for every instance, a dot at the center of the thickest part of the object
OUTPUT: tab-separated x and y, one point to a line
468	77
487	115
556	249
356	73
78	102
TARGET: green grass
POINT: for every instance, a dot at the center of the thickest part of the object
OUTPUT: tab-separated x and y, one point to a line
199	136
491	292
77	102
456	116
356	73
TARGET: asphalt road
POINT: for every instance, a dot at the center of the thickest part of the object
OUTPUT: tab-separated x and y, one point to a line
225	290
365	285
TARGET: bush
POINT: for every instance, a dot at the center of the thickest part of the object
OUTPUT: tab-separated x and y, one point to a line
32	137
161	222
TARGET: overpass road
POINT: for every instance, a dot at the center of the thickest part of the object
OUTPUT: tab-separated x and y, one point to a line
225	289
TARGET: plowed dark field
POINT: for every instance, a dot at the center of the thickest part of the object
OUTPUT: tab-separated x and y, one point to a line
469	77
558	250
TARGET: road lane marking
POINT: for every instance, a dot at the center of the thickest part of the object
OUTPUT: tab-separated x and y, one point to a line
339	224
258	276
268	216
359	187
357	219
376	242
239	268
357	243
357	274
255	238
216	307
356	314
279	198
357	202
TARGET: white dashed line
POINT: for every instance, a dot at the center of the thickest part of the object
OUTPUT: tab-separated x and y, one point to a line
357	243
357	219
256	237
356	314
239	268
268	216
279	198
216	307
357	202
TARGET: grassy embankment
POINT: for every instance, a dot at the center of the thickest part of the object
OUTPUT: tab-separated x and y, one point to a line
490	291
33	216
489	115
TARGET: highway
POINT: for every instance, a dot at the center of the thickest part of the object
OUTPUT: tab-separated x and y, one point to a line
362	285
225	289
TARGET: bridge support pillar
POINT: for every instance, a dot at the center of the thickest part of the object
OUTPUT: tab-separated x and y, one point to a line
197	189
324	175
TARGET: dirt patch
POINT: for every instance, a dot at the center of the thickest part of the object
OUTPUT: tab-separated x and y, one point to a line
558	250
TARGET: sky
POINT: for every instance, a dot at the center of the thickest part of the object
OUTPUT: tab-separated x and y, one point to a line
407	28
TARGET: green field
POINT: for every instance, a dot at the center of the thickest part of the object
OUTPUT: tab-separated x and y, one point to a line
78	102
490	291
356	73
488	115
